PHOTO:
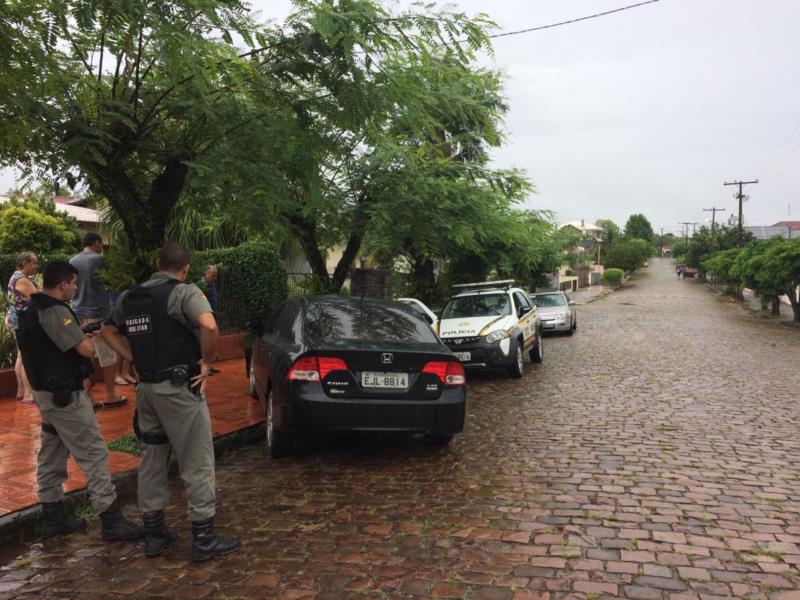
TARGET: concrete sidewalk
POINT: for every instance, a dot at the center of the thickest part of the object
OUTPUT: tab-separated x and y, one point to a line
229	403
589	294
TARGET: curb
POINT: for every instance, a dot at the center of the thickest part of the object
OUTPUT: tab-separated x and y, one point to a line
23	525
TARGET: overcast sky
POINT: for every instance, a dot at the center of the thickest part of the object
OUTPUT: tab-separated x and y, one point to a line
647	110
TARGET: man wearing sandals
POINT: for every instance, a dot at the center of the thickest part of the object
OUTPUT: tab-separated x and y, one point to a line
91	305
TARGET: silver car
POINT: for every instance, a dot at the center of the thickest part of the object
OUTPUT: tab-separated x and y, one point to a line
557	311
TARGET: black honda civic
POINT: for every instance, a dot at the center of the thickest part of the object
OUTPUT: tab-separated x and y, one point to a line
324	364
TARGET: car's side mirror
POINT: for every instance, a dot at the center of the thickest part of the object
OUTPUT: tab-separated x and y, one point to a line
524	310
571	303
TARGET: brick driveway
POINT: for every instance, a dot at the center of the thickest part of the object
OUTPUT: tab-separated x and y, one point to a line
654	455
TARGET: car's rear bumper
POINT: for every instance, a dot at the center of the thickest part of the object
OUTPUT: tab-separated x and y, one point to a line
314	411
553	326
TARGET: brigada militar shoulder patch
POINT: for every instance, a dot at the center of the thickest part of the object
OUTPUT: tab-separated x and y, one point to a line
138	324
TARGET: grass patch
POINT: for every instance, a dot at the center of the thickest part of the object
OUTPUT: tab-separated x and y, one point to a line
127	443
85	512
22	563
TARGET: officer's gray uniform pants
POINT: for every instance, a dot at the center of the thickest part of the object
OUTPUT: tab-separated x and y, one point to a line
165	408
79	435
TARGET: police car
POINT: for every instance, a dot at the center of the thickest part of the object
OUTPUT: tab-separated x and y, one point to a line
492	325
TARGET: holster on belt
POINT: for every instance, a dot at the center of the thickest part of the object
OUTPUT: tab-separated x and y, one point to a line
62	390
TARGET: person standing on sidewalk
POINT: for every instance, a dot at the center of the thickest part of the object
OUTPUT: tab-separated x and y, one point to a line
152	326
21	287
92	305
56	354
208	285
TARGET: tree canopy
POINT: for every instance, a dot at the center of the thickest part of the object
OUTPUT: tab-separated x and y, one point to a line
610	230
351	126
639	227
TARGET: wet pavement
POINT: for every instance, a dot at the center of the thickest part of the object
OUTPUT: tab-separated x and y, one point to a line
231	407
653	455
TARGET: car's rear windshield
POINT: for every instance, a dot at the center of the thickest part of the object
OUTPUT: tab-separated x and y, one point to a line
329	321
479	305
549	300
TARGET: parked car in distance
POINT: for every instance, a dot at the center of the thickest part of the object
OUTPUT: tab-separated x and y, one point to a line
422	310
492	324
556	311
323	364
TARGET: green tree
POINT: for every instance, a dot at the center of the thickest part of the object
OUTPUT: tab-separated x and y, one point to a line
679	249
407	148
36	226
639	227
779	270
747	269
627	254
610	230
137	97
703	245
720	265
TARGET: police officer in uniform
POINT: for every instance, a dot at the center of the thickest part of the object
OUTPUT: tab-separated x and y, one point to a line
152	325
57	357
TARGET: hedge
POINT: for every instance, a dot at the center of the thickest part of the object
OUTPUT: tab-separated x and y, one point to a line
613	277
252	281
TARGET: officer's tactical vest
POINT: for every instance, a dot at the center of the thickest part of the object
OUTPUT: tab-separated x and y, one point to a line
158	342
44	362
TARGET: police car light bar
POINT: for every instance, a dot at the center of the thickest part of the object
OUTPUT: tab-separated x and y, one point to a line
503	284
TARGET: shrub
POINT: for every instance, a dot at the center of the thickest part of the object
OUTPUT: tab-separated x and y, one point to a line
613	277
252	281
24	226
627	255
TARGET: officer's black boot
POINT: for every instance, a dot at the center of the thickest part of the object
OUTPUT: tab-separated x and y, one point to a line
207	543
56	521
116	527
157	537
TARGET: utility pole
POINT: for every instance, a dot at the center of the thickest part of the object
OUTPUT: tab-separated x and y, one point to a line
661	239
685	231
694	228
740	196
713	211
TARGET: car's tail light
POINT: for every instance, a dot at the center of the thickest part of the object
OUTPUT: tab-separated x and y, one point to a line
315	368
328	364
455	374
448	372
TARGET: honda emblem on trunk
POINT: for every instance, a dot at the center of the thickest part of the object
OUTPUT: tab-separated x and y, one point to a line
387	358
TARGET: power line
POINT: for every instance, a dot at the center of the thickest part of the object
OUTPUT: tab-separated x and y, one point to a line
784	172
764	162
571	21
780	159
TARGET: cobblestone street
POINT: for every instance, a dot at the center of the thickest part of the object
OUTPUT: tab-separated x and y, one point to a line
653	455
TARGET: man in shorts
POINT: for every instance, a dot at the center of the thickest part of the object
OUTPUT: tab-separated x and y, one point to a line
91	305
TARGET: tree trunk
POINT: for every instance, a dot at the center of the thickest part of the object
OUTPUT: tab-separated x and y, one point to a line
305	230
795	305
145	218
776	306
423	278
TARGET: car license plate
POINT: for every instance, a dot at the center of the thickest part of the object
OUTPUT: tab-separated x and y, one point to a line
391	381
464	356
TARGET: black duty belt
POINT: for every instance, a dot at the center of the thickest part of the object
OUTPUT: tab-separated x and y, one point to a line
179	375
